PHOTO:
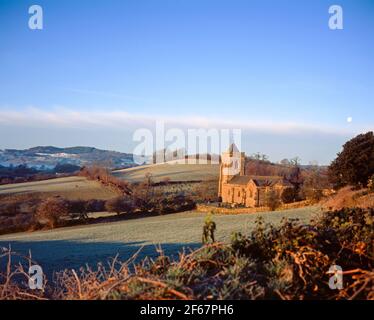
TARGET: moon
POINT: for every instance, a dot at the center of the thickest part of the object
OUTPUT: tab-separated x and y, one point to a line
349	119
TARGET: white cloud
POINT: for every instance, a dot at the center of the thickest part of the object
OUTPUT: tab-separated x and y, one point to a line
67	118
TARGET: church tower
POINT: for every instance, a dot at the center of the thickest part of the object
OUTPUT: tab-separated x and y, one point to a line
232	164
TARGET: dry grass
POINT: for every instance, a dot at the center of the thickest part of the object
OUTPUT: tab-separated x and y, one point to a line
71	188
347	197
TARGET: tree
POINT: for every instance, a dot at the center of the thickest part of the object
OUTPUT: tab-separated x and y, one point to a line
289	195
272	199
295	161
78	208
52	210
66	168
314	195
315	181
354	165
285	162
10	209
118	205
295	177
95	205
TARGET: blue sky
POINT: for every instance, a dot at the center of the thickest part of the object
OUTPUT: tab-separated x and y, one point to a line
273	68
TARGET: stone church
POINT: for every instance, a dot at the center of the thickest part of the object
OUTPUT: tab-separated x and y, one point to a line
237	188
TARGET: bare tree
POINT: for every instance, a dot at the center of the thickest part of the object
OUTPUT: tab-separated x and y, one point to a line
52	210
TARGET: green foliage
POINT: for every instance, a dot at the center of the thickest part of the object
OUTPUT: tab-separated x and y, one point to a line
355	164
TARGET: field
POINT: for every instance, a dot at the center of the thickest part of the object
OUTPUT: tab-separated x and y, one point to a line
176	172
70	188
75	246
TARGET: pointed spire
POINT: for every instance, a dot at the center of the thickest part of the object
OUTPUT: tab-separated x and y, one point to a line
233	148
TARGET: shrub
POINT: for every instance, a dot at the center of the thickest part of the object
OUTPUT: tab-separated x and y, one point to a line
272	200
289	195
95	205
52	210
208	230
118	205
10	209
104	176
314	195
78	208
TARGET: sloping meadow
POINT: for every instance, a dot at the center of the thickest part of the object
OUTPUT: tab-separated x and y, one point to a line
290	261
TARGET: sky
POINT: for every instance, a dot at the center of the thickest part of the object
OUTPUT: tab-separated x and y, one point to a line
99	70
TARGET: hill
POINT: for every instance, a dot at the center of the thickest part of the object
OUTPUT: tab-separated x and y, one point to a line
47	157
175	172
70	188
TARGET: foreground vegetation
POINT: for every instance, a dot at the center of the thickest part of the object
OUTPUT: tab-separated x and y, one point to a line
73	247
290	261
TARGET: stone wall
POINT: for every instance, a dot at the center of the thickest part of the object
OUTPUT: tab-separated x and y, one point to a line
221	210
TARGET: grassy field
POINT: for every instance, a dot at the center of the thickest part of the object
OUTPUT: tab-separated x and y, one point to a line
176	172
75	246
68	187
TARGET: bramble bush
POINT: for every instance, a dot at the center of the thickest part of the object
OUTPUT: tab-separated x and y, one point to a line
290	261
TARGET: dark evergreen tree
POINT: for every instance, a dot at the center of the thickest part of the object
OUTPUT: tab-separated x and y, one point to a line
354	165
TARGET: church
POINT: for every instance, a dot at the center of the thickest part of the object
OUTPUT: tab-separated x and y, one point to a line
237	188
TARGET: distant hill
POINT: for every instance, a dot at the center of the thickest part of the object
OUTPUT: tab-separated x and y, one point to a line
47	157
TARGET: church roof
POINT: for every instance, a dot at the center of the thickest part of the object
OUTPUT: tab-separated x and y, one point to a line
233	148
243	180
260	181
268	181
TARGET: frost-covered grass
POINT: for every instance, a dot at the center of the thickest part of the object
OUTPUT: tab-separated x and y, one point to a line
75	246
68	187
175	172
